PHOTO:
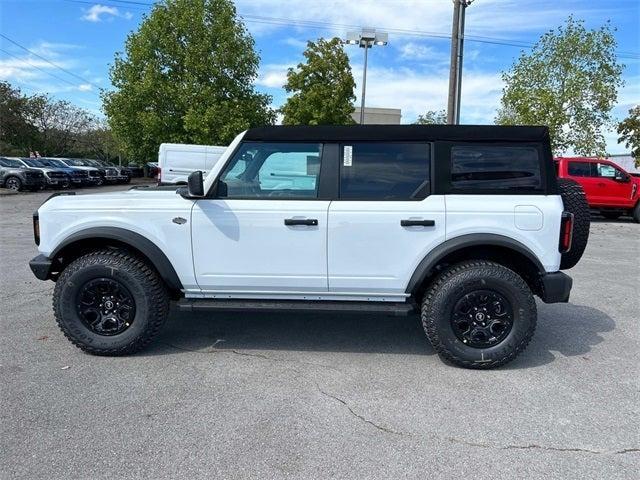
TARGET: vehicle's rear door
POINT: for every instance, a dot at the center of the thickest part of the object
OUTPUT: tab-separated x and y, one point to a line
614	185
265	232
585	173
385	219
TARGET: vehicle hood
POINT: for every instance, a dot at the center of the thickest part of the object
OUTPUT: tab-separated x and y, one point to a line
122	201
49	169
88	169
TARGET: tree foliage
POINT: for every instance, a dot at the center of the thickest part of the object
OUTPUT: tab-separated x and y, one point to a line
187	76
569	81
322	87
629	131
42	124
432	117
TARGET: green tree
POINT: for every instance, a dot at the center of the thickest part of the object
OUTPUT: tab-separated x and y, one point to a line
17	134
432	117
187	76
629	131
322	87
569	81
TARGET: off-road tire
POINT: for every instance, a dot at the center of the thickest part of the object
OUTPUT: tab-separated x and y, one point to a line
636	213
141	279
453	284
13	183
575	201
610	215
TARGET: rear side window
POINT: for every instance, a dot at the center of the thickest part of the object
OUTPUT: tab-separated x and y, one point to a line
495	167
384	171
581	169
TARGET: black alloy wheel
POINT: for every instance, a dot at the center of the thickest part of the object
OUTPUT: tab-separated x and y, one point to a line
106	306
482	318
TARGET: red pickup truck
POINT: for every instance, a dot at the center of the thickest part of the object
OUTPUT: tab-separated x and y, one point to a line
608	187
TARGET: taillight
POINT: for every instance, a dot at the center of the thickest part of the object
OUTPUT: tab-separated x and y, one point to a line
36	228
566	232
159	174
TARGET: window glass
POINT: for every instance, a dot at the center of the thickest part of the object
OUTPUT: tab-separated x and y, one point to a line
495	167
8	162
273	170
606	171
580	169
384	171
32	162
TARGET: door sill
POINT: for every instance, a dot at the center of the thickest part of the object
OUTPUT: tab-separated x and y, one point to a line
401	309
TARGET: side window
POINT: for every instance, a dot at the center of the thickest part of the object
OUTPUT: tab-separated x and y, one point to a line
495	167
273	170
384	171
607	171
581	169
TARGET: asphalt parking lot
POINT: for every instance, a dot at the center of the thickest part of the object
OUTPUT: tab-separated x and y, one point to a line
321	396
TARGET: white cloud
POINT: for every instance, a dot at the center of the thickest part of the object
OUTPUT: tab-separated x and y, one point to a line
85	87
99	12
273	75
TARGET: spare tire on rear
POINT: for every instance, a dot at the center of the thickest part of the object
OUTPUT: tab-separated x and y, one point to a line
575	201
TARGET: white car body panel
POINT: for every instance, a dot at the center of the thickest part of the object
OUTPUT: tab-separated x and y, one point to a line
148	213
177	160
533	220
369	249
244	245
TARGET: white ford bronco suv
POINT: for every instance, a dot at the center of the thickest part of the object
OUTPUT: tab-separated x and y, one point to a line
464	224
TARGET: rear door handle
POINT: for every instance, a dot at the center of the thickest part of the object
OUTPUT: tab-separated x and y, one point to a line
417	223
301	221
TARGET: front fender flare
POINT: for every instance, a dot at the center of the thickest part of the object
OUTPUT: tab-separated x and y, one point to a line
149	249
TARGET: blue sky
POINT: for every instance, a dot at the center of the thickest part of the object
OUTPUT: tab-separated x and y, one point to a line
410	73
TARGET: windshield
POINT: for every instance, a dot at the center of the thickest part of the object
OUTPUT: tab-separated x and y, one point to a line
7	162
51	162
74	163
32	162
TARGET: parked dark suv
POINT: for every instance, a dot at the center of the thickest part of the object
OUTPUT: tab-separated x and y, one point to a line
15	176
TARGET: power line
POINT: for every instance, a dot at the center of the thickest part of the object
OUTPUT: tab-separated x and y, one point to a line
38	68
50	62
260	19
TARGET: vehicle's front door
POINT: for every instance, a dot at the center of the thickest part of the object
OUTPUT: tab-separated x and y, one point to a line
614	185
266	229
385	220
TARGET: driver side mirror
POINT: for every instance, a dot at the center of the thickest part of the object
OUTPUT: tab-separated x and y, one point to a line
622	178
195	185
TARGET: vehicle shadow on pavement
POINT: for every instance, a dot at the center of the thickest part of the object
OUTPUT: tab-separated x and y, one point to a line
563	329
566	330
360	333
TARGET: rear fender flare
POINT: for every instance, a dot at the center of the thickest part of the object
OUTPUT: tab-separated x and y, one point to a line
435	256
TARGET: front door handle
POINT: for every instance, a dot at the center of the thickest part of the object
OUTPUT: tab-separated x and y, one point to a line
417	223
310	222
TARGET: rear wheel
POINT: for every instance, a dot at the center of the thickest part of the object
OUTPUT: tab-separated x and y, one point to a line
13	183
575	202
110	302
479	314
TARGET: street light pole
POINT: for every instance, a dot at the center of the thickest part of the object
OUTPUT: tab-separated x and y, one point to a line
366	39
455	71
364	85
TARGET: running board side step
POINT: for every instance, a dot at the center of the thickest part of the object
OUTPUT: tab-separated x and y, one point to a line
399	309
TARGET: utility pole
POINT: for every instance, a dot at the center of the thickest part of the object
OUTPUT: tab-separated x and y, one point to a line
455	71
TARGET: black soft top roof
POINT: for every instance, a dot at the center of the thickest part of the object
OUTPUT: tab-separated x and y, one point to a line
354	133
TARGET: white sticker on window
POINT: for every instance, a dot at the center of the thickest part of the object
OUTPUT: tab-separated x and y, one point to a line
348	156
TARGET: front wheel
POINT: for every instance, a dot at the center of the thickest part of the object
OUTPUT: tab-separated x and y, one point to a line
110	302
479	314
13	183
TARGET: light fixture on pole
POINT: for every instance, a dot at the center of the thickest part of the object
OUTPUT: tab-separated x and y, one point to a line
366	38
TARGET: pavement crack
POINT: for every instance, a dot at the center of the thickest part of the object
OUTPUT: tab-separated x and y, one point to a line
534	446
248	354
356	414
